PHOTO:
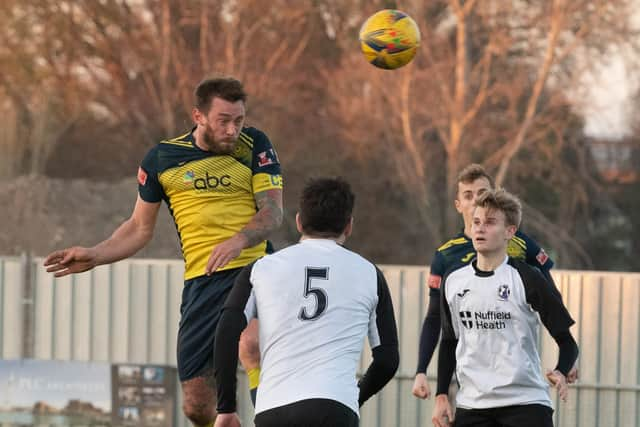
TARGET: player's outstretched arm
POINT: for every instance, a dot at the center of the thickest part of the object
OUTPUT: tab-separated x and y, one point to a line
125	241
267	218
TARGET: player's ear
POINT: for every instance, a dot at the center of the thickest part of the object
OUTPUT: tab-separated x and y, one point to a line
299	223
511	231
197	116
349	228
456	203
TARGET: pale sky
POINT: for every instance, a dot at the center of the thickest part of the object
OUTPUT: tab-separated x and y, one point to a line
609	107
605	99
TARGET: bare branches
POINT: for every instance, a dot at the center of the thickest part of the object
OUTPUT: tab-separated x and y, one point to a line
557	20
492	82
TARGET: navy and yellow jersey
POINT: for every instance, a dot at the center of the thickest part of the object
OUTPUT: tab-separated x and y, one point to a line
211	197
459	252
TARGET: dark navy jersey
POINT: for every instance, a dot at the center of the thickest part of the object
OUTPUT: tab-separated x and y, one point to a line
459	252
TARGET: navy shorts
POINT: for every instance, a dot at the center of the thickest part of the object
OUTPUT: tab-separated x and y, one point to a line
202	301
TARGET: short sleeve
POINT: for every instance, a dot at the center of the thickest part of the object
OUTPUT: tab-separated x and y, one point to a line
149	187
265	165
536	256
436	271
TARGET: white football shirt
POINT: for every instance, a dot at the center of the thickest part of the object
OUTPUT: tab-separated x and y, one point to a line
494	316
316	302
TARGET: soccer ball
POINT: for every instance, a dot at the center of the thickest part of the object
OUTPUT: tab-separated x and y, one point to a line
389	39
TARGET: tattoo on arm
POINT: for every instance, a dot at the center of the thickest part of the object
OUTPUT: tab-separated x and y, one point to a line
267	219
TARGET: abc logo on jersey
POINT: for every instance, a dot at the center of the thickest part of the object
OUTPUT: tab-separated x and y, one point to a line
208	182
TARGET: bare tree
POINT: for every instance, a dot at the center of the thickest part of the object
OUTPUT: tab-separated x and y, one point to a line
38	84
487	86
135	63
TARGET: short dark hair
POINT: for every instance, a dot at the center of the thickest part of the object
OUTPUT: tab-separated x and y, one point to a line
326	206
472	172
226	88
502	200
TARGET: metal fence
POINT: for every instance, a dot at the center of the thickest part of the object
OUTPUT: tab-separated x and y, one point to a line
128	312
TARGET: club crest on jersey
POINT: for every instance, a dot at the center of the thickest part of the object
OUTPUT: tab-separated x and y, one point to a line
504	292
542	257
267	158
188	177
142	176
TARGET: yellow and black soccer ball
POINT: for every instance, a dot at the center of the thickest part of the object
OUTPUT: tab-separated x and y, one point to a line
389	39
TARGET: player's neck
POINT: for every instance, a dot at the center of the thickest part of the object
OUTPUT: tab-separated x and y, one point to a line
467	230
489	261
198	136
339	240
